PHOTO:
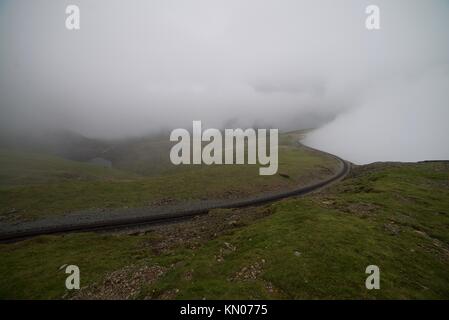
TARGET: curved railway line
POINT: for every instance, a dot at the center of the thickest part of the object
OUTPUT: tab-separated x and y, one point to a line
180	215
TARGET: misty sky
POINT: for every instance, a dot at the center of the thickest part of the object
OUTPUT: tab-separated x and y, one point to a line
139	66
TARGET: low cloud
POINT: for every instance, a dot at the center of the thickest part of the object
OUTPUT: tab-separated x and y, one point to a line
148	65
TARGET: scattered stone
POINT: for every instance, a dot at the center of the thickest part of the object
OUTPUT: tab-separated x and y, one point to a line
168	295
233	223
163	202
392	229
121	284
230	246
248	273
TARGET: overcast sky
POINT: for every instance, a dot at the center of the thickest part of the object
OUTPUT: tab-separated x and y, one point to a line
138	66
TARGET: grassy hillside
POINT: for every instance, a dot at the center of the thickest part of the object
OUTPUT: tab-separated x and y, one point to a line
26	168
60	143
35	185
394	216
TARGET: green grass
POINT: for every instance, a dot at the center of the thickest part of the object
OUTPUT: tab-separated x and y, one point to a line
34	185
25	168
25	265
394	216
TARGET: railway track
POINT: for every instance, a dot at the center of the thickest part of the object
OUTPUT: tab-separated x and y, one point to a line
181	215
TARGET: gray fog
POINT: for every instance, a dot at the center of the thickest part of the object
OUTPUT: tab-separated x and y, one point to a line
141	66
